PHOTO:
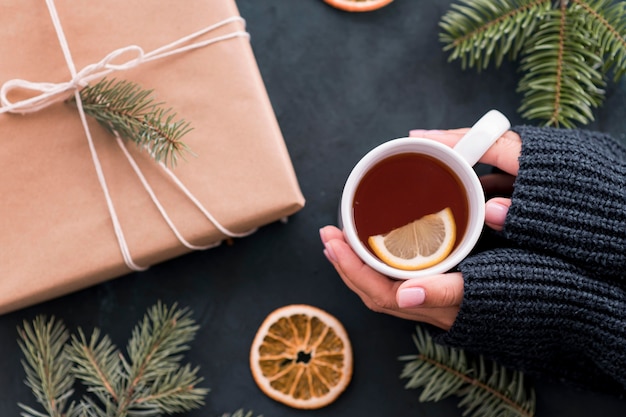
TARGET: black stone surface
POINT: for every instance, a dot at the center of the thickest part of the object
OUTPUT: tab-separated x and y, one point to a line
340	84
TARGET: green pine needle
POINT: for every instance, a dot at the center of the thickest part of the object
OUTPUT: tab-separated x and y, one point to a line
485	390
566	48
150	382
125	109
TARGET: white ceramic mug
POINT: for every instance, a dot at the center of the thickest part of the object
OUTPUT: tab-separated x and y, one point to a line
459	159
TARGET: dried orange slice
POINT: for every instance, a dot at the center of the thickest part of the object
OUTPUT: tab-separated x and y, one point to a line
358	5
419	244
301	356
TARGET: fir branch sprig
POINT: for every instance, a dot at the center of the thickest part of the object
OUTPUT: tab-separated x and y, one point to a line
150	382
485	391
48	369
567	49
568	69
479	31
125	109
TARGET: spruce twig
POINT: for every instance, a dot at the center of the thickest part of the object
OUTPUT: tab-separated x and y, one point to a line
125	109
485	391
566	48
150	382
47	366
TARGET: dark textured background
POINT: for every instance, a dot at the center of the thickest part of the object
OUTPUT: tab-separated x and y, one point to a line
340	84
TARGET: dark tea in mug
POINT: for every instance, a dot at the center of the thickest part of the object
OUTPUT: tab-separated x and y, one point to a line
405	187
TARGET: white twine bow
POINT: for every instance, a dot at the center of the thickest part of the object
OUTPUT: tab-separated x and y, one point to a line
50	93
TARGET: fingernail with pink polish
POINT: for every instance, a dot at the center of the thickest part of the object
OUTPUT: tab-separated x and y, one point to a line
496	212
330	253
411	297
323	235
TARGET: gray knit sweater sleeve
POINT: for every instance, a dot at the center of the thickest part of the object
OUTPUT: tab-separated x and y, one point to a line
554	300
570	198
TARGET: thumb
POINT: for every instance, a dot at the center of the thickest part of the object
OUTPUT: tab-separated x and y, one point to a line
496	210
439	291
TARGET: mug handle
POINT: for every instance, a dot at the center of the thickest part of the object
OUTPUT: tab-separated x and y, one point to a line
482	135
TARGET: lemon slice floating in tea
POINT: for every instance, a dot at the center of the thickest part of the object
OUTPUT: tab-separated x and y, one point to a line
358	5
301	356
419	244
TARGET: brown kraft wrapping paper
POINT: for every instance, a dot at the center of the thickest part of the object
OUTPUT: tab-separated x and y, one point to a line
56	233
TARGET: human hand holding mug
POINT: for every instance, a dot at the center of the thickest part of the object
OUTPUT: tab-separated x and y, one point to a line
433	299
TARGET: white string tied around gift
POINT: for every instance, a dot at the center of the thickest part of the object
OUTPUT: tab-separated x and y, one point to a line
51	93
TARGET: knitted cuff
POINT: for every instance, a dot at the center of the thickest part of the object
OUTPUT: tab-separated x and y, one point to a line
542	315
570	198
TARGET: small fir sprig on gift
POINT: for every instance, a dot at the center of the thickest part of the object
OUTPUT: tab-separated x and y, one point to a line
567	49
127	110
485	391
151	381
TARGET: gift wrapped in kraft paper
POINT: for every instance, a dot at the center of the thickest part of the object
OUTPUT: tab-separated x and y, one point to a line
75	213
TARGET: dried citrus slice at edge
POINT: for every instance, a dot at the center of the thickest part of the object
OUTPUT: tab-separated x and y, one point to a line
301	356
358	5
419	244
